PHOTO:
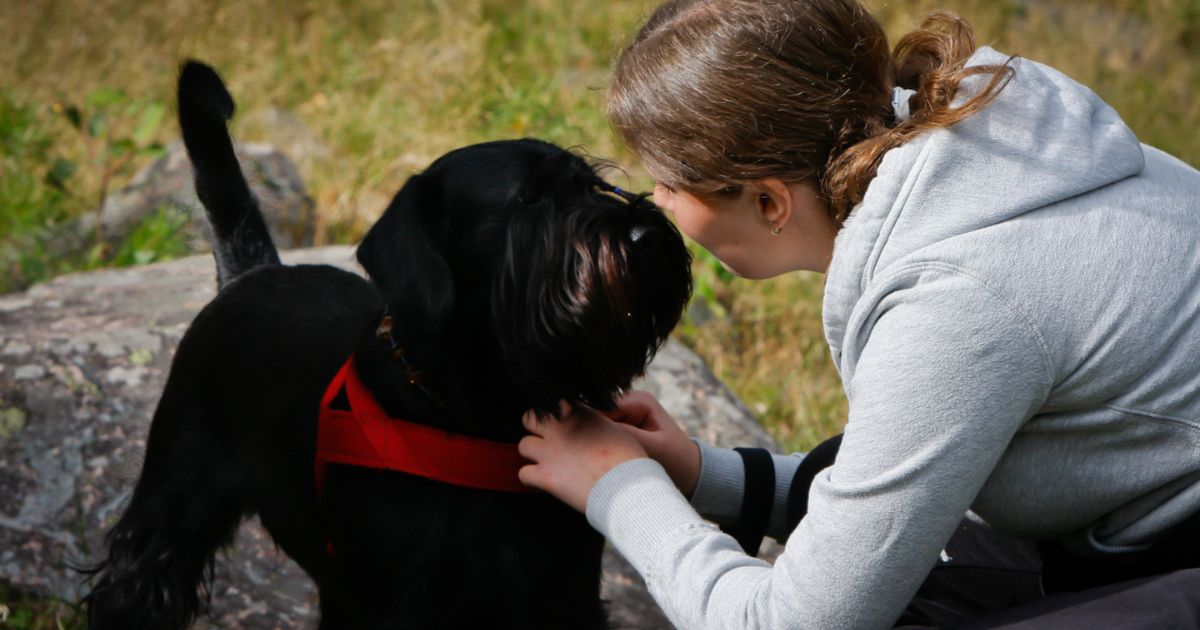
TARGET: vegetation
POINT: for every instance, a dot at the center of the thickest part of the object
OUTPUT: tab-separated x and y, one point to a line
387	85
20	611
40	207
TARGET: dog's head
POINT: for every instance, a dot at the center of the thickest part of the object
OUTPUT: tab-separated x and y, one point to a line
521	248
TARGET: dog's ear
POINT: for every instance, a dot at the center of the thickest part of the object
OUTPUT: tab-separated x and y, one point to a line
402	253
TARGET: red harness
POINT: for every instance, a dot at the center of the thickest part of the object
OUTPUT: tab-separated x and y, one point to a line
366	436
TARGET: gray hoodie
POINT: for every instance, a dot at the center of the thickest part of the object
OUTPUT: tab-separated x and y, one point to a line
1014	310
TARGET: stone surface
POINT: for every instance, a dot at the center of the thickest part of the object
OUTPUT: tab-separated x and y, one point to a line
286	206
83	360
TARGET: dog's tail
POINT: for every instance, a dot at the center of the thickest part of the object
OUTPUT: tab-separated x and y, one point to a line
158	567
240	237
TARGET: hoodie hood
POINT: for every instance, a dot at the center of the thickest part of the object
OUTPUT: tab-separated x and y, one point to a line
1044	138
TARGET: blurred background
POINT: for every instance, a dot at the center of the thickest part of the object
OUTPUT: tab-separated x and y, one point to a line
362	94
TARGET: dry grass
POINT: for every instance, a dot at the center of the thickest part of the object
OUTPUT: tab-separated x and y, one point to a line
385	86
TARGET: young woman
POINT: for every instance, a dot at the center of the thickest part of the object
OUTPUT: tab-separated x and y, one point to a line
1012	301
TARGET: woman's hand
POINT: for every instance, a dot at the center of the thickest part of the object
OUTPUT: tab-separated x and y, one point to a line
641	415
571	453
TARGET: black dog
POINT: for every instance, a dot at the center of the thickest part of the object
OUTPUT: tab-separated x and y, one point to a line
514	277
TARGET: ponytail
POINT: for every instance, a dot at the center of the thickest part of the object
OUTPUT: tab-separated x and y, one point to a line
932	61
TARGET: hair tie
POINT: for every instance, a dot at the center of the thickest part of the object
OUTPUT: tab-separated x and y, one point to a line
900	98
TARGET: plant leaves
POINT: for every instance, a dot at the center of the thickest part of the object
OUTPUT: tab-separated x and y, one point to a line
104	97
121	147
152	117
97	124
12	420
96	255
154	150
73	115
61	170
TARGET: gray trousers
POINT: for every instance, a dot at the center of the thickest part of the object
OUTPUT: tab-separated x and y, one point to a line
991	582
988	580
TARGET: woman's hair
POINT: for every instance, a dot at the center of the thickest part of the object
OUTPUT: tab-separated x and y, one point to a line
713	94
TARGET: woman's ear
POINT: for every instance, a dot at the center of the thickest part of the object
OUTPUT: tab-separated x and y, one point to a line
775	203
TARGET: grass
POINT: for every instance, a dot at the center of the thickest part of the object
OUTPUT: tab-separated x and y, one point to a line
384	86
21	611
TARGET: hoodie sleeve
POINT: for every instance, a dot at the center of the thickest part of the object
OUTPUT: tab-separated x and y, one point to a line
945	374
718	493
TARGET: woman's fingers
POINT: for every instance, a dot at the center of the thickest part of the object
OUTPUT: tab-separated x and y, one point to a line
532	422
535	423
622	415
530	447
638	433
637	408
637	400
531	476
636	396
628	415
570	453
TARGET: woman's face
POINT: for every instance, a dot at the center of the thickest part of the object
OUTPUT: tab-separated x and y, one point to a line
737	226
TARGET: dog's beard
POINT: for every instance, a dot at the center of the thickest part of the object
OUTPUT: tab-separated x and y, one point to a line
581	313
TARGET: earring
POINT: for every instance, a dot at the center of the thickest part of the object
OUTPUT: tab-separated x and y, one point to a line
775	230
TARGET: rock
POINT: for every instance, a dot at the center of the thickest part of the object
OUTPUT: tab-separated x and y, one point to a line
16	348
167	182
10	303
29	373
283	129
76	396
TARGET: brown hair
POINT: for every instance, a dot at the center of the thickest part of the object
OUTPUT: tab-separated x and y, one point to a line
713	94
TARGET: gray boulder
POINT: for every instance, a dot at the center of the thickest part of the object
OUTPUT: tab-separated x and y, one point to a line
286	206
83	359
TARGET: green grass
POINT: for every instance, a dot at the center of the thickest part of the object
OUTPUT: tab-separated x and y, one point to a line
31	206
387	85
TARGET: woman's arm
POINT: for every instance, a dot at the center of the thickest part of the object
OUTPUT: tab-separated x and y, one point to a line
948	376
713	478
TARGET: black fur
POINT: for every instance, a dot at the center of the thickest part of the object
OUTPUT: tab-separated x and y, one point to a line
515	281
240	237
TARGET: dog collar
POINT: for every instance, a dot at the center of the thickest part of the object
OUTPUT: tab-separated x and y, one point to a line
364	435
412	376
